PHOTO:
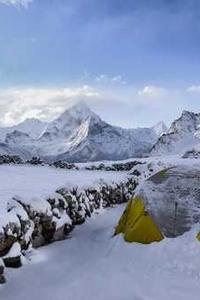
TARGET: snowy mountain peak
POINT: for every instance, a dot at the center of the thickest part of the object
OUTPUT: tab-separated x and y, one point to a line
80	112
187	122
69	122
186	113
160	128
181	135
78	134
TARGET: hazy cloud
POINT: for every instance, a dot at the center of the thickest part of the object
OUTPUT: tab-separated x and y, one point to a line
17	104
194	89
152	92
23	3
106	79
122	105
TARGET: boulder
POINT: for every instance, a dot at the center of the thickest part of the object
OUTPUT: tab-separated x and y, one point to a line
13	258
2	278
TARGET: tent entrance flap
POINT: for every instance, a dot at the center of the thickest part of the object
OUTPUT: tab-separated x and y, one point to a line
137	225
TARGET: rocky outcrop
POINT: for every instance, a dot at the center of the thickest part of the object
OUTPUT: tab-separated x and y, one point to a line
10	159
193	153
13	258
2	278
182	134
124	166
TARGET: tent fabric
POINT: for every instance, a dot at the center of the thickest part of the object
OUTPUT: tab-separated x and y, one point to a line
198	236
137	225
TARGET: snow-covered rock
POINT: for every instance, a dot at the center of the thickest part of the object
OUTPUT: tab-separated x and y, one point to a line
182	135
13	258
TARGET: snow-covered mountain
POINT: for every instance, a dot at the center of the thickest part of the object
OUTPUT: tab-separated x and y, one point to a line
182	135
160	128
33	127
80	135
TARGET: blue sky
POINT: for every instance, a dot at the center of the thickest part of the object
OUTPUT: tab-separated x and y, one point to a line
137	59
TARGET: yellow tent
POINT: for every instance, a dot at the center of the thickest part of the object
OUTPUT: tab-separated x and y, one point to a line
137	225
198	236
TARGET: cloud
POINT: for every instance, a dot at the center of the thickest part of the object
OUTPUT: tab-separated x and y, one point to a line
106	79
23	3
152	92
193	89
17	104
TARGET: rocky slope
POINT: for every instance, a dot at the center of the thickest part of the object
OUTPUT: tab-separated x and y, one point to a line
182	134
80	135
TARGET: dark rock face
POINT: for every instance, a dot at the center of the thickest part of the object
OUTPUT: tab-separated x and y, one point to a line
2	278
64	165
10	159
35	161
13	262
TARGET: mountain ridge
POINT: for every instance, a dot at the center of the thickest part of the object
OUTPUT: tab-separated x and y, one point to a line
79	134
182	134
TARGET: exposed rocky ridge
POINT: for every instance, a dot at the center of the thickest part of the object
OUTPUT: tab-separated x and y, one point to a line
182	134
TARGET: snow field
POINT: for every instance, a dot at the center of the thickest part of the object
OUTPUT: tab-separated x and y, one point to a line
93	265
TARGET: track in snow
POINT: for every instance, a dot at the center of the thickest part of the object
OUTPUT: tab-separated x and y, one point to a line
92	265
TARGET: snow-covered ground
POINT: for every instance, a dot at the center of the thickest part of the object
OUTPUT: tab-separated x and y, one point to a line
92	265
29	182
35	184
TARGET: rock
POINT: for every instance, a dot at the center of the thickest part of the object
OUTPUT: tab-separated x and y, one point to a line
193	153
13	262
13	258
6	242
2	278
48	230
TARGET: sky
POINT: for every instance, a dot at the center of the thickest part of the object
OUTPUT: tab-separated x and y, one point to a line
135	62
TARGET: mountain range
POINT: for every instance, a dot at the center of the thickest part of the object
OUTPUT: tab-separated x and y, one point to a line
78	135
183	134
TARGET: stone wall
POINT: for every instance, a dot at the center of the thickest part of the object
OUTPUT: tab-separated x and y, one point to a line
34	227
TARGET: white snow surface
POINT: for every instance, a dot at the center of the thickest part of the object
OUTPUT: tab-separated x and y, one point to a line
14	251
34	184
93	265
